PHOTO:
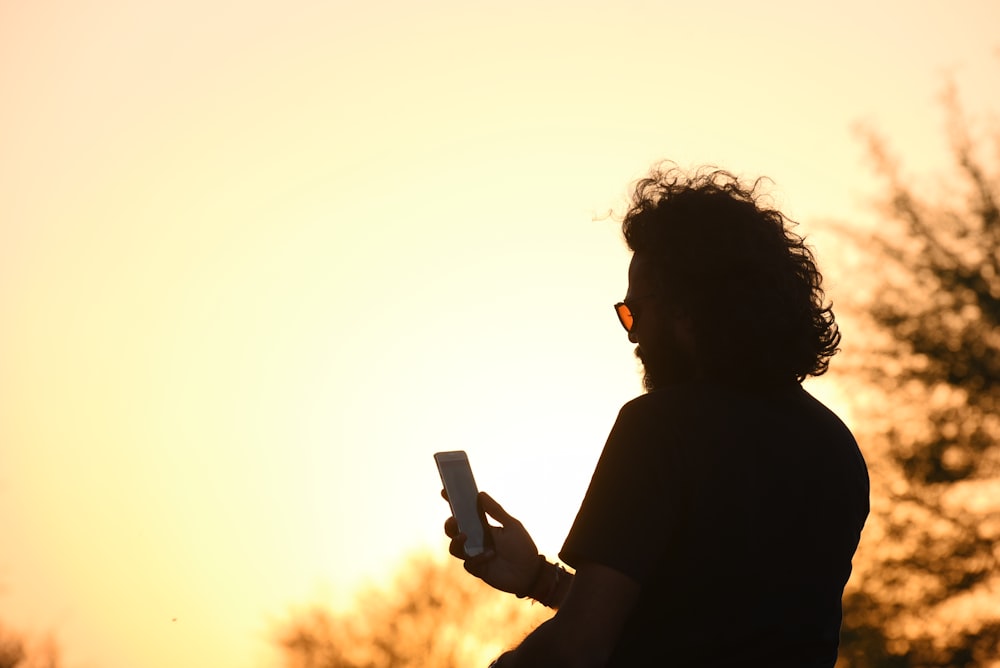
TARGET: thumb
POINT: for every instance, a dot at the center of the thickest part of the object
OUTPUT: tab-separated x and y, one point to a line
495	510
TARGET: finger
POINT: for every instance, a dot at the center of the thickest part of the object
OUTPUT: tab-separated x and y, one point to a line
457	549
457	546
444	494
478	564
451	527
495	510
479	560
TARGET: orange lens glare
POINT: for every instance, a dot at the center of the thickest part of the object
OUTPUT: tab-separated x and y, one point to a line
624	316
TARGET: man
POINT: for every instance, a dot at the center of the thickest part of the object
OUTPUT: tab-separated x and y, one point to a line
721	520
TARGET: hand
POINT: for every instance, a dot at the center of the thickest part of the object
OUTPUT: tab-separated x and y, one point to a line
512	564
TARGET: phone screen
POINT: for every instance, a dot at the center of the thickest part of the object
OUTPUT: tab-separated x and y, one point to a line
456	476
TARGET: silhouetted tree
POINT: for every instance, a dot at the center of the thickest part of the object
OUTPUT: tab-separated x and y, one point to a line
927	582
15	652
434	615
11	651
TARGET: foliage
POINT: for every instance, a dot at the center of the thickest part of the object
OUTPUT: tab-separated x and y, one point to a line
435	614
15	653
928	585
11	652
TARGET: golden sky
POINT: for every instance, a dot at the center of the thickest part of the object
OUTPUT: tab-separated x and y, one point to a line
259	260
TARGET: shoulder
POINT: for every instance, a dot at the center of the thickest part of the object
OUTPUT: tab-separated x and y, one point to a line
674	401
665	416
713	410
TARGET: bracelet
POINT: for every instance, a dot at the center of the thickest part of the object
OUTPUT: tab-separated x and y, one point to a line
546	598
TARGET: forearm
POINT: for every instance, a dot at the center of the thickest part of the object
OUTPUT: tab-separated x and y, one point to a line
552	583
594	606
553	645
540	648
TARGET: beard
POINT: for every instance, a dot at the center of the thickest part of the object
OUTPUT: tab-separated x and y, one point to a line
670	364
650	376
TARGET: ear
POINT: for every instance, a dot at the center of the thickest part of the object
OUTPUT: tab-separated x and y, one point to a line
683	325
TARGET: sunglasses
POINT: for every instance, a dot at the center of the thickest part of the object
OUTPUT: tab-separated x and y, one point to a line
625	313
625	316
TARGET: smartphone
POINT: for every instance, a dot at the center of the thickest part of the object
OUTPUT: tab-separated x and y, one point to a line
463	495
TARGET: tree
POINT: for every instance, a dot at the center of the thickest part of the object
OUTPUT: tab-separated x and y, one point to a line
435	614
927	593
15	652
11	652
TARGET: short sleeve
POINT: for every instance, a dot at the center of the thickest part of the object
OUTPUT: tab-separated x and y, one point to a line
630	511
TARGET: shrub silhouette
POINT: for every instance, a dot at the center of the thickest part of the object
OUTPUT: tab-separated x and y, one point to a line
434	614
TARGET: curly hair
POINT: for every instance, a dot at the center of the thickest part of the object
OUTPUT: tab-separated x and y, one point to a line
735	268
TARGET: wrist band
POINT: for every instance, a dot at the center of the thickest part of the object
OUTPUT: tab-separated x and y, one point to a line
546	598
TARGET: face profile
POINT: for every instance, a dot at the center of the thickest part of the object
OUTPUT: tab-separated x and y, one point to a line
664	344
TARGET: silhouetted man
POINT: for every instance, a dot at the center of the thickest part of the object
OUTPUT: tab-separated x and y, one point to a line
721	520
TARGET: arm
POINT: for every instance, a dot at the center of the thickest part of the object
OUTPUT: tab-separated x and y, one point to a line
586	628
593	605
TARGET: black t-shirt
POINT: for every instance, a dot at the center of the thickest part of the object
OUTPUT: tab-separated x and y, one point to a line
737	513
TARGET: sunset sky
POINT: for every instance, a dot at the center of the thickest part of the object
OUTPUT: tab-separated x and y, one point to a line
259	260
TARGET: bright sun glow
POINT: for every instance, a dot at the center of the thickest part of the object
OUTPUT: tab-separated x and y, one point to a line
258	261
